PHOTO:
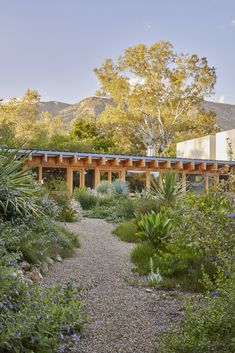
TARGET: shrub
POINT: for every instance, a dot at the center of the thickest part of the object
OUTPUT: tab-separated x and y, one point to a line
68	215
36	319
126	231
141	255
208	326
145	205
18	190
169	191
103	188
111	213
155	229
86	199
120	188
35	241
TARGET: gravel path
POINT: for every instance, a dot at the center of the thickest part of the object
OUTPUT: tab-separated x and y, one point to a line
122	318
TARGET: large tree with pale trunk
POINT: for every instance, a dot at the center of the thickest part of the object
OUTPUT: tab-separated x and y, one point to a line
155	89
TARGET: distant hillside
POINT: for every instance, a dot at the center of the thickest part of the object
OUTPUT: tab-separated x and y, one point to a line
225	114
53	107
88	107
94	106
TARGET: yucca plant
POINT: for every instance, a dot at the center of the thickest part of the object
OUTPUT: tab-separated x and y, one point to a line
18	191
170	189
155	228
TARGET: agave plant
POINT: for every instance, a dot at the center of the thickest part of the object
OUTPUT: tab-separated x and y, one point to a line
18	191
155	228
120	188
170	189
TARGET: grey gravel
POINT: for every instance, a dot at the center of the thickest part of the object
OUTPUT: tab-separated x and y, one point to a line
122	318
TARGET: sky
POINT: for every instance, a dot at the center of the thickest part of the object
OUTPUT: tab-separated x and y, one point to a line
54	45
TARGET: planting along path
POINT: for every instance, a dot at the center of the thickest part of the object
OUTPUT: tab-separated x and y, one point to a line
122	318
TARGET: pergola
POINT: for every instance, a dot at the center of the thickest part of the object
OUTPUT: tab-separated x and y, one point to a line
72	162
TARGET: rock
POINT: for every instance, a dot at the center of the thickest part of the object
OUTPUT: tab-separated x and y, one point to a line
149	290
35	276
44	268
59	258
49	261
25	266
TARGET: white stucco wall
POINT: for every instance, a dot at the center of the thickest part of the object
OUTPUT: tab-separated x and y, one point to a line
201	148
223	150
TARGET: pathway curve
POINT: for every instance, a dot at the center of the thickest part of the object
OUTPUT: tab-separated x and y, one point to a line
122	318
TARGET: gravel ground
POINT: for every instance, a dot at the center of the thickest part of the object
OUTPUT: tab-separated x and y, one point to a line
122	318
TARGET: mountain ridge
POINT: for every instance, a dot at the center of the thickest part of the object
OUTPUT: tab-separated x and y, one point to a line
93	106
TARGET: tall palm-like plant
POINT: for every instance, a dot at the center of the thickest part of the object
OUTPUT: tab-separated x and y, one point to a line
169	191
18	191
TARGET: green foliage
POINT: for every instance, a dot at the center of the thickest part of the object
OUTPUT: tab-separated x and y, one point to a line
83	129
209	326
18	190
86	199
37	319
126	231
169	191
120	188
66	213
155	228
141	255
104	188
34	241
156	109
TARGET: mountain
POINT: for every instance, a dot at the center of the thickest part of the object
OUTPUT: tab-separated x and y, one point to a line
88	107
52	107
94	106
225	114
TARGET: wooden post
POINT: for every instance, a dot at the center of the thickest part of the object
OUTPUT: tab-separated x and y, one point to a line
206	183
40	175
97	177
70	180
82	177
110	177
216	179
184	182
147	180
160	180
123	175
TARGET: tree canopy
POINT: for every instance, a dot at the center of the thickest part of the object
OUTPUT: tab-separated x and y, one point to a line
155	89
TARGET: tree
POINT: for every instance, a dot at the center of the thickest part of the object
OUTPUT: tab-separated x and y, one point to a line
154	89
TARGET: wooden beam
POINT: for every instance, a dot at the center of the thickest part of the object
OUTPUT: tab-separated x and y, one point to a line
97	177
115	162
154	164
102	161
70	180
184	182
147	181
200	167
141	163
177	165
40	180
189	166
123	175
59	159
45	158
110	177
212	167
206	183
82	177
128	163
164	164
